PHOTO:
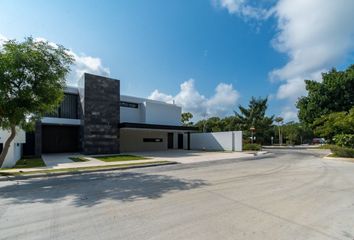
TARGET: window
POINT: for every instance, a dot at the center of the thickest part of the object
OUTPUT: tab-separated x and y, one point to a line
157	140
67	109
129	104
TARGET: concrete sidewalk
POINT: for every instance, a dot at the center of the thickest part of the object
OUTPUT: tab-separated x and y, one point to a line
63	161
191	156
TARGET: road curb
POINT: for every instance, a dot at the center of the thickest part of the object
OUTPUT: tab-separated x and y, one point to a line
338	158
78	172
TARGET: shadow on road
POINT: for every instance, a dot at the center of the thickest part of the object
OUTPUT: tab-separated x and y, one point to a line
91	189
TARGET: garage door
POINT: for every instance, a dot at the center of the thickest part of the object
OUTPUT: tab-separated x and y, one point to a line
60	139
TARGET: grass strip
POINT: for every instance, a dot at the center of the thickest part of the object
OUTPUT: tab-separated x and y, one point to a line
83	169
118	158
78	159
29	163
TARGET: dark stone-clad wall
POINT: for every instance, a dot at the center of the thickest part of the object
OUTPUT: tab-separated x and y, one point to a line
101	113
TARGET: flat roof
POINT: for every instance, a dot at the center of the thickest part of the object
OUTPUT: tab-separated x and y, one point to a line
156	126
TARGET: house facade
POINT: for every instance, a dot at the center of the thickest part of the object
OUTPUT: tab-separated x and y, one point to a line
95	118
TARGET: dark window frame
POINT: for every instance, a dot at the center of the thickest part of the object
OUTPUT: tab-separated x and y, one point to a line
68	108
153	140
129	104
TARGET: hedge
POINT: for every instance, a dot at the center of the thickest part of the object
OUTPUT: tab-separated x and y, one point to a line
342	151
251	147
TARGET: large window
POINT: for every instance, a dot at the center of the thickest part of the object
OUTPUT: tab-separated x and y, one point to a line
67	109
129	104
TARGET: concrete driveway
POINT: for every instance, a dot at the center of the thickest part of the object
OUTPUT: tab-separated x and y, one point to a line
190	156
292	195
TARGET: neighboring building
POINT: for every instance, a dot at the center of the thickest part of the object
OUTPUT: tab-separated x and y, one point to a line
15	151
95	119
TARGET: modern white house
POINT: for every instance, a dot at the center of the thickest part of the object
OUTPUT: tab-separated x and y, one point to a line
15	150
95	118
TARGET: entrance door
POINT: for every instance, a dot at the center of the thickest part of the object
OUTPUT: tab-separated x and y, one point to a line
180	141
170	140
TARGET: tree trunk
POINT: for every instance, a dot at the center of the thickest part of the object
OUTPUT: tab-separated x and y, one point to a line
7	145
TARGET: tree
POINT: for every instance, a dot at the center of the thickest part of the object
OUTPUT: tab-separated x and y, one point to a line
296	133
255	116
330	125
279	120
334	94
32	75
213	124
186	117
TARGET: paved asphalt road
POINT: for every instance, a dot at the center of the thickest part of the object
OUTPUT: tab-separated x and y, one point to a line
294	194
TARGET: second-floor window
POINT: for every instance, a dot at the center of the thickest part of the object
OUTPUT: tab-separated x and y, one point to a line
129	104
67	109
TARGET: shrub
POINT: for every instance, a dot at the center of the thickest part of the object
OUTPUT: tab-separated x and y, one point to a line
251	147
344	140
342	151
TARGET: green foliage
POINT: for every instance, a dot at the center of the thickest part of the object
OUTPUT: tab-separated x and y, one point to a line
342	151
344	140
334	94
296	133
185	119
251	147
279	120
32	77
333	124
255	116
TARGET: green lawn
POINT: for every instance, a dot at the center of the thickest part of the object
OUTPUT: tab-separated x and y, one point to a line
118	158
29	163
78	159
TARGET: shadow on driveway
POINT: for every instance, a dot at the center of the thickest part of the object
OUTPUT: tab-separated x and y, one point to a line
91	189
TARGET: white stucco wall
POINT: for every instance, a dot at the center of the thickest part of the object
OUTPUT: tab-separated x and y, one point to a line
130	115
150	112
15	150
217	141
162	113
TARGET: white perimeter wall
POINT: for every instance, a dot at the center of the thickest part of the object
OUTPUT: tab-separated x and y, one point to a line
15	150
217	141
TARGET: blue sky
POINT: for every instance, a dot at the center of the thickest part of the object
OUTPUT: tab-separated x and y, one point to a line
232	49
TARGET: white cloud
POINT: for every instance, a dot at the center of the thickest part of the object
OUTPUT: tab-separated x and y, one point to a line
289	113
224	98
223	101
2	39
316	35
82	63
87	64
243	8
